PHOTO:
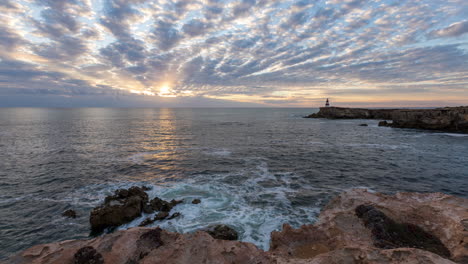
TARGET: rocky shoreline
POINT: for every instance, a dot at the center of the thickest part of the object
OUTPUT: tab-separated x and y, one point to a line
450	119
357	226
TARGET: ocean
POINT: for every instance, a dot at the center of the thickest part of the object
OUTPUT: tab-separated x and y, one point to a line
253	169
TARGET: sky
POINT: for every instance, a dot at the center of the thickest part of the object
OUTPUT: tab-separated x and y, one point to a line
233	53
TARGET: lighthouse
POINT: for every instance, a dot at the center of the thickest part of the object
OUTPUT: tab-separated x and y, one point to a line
327	103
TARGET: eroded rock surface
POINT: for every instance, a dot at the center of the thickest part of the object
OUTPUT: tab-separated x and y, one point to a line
344	233
452	119
120	208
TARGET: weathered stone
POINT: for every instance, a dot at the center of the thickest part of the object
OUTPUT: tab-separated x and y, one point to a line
223	232
452	119
174	215
88	255
161	215
118	209
69	213
160	205
383	123
338	236
388	234
147	221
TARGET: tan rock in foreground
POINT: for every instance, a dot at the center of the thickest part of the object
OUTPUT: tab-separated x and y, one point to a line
339	236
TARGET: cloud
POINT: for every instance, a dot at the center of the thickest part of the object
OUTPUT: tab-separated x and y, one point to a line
454	30
242	49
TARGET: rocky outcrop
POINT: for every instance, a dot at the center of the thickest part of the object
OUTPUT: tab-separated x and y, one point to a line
355	227
126	205
352	113
120	208
452	119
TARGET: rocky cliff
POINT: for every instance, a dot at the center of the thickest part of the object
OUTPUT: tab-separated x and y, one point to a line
453	119
353	113
449	119
356	227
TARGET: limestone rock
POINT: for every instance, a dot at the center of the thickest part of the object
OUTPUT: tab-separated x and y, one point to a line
118	209
222	232
357	226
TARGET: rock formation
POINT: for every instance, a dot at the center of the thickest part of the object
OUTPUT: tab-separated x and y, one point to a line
126	205
355	227
452	119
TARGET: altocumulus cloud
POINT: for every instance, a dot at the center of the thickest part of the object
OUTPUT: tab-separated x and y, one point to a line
247	52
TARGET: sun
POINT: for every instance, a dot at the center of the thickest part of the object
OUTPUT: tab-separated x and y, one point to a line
166	91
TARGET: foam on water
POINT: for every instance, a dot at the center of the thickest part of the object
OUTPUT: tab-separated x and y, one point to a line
240	206
218	152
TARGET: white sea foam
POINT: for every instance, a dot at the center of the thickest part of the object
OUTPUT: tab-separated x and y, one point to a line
242	206
379	146
218	152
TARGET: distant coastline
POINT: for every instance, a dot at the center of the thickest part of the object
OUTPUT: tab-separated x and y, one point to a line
450	119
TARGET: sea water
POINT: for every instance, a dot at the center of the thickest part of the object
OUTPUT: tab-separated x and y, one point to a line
253	169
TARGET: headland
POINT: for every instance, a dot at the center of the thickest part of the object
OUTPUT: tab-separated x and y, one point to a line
450	119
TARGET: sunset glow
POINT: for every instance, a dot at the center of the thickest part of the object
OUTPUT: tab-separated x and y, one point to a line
261	53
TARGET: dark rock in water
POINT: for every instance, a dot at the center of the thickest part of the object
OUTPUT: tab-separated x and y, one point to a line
364	125
147	221
174	202
174	215
383	123
160	205
88	255
118	209
196	201
145	188
69	213
223	232
388	234
147	209
161	215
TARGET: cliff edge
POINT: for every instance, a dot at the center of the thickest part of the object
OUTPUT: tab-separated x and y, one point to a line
357	226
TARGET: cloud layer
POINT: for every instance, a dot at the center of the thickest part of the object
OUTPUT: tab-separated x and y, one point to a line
273	53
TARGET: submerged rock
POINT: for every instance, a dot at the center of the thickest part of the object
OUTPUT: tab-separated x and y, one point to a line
69	213
223	232
363	125
383	123
174	215
347	231
196	201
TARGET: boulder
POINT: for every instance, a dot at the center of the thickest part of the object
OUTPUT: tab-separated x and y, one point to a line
363	125
120	208
196	201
